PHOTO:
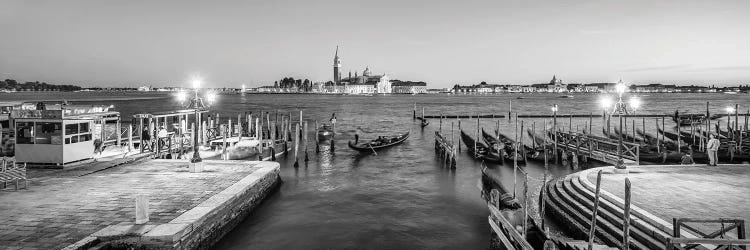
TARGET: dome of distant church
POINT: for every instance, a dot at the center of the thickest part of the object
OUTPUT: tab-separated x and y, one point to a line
367	71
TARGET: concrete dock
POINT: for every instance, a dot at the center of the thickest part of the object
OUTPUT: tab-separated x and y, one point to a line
659	194
94	205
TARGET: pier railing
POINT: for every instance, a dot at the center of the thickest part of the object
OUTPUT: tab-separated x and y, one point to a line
591	144
119	135
505	230
11	171
213	133
718	239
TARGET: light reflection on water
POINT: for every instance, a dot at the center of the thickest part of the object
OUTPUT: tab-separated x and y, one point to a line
403	198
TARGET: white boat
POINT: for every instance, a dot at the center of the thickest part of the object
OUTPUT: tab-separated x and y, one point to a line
243	149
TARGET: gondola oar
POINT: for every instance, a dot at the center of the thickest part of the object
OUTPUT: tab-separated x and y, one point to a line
373	150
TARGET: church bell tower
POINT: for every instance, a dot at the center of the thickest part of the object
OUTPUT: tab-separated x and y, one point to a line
337	67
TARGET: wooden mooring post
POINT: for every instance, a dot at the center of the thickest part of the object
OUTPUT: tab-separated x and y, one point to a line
296	146
592	229
305	142
626	217
317	141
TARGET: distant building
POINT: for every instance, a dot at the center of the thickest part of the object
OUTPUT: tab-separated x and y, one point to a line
337	67
605	87
401	87
367	83
144	88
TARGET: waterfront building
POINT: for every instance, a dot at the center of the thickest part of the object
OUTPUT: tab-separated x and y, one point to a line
590	88
528	89
144	88
556	85
400	87
367	83
515	88
605	87
575	87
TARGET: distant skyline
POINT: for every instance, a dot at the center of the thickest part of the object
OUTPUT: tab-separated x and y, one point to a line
230	43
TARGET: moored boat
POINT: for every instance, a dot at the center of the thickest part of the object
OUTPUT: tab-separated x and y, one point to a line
479	150
380	143
325	132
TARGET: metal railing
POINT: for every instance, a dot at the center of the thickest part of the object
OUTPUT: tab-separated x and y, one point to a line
717	239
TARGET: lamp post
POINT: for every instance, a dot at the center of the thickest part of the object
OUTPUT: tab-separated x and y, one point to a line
621	107
198	104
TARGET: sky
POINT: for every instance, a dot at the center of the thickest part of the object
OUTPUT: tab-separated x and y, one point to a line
130	43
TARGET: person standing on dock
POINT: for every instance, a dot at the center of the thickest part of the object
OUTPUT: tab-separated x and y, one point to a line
711	148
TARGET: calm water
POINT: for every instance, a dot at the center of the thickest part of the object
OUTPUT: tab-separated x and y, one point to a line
403	198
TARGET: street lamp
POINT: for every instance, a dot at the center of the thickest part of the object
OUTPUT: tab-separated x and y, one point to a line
620	107
198	104
730	111
635	103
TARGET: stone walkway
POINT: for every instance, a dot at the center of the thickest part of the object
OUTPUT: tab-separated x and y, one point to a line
693	191
61	209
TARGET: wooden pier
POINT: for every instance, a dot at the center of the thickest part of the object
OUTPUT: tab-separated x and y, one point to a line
598	148
445	150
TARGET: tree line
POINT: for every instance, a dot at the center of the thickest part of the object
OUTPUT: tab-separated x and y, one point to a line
10	84
291	83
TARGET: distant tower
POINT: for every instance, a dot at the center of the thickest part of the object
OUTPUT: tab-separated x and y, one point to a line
337	67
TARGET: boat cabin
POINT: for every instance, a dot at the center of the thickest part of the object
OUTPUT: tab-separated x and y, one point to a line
59	134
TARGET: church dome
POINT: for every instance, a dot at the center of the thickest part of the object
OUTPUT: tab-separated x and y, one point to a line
367	71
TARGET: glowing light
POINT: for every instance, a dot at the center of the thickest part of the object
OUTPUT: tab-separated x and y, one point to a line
620	88
605	101
196	82
730	110
211	97
181	96
554	108
635	103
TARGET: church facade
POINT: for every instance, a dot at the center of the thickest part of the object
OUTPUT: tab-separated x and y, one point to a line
367	83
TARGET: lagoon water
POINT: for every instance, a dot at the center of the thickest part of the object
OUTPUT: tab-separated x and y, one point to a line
402	198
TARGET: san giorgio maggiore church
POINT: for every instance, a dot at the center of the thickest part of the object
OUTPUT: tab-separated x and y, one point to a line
367	83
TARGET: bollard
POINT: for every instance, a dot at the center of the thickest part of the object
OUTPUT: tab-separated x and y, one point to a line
141	209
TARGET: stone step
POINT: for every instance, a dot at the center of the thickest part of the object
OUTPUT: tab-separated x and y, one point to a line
601	222
612	215
571	214
657	235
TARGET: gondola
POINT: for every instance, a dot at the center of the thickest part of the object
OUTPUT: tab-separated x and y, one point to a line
688	119
325	132
504	143
380	143
482	151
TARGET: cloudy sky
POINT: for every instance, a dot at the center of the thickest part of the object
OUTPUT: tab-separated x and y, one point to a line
228	43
